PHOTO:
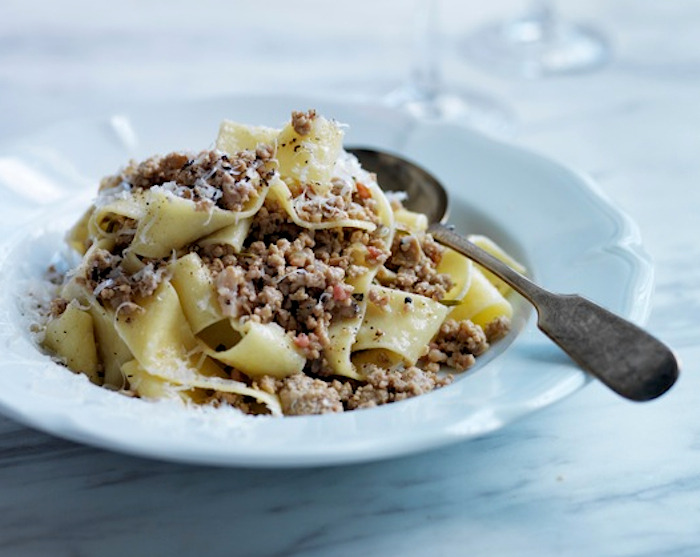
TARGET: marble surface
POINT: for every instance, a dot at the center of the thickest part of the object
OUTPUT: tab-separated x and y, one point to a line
592	475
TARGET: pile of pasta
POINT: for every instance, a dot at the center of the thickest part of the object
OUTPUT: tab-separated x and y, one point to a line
179	341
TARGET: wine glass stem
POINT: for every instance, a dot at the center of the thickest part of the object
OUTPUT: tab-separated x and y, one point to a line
426	77
542	15
540	10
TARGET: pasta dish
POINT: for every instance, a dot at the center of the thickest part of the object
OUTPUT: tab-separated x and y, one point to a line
270	273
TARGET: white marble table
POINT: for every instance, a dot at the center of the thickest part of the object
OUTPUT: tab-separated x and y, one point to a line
592	475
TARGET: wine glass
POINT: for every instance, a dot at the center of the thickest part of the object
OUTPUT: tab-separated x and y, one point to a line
425	94
539	43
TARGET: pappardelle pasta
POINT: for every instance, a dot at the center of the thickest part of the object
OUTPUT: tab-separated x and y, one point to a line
271	274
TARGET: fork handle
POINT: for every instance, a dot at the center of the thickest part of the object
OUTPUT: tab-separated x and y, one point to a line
621	355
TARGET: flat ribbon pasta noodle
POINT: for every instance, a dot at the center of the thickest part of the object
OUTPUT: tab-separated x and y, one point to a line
232	235
234	137
155	387
111	211
361	283
159	336
399	322
78	236
152	386
304	158
489	246
254	348
114	352
343	335
71	337
483	302
163	344
460	270
410	220
170	222
284	196
195	289
309	158
111	349
376	357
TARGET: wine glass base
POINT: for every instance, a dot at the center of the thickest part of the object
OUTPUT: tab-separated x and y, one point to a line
528	48
461	107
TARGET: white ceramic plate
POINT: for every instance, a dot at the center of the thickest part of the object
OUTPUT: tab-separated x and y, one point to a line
556	221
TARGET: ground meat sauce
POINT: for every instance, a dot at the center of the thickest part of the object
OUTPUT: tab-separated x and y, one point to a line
290	275
209	178
342	202
301	394
456	345
301	121
414	260
115	287
293	276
